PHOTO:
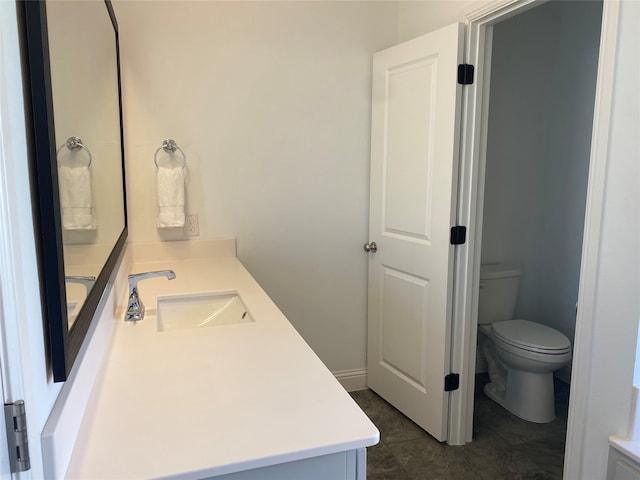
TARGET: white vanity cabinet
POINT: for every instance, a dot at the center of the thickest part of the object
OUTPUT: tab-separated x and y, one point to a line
349	465
622	466
256	403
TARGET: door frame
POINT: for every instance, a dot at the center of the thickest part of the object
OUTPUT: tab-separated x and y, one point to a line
477	52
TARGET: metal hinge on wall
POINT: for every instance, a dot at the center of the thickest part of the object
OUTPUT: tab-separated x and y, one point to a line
465	74
451	382
16	422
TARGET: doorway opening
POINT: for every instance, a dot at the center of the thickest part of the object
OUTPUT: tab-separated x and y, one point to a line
551	122
540	97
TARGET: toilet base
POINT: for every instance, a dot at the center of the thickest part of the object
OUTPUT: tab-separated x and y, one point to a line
527	395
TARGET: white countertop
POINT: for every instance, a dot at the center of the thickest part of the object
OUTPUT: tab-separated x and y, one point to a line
631	448
202	402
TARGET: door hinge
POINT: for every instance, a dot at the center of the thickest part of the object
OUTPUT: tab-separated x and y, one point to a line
16	421
465	74
458	235
451	382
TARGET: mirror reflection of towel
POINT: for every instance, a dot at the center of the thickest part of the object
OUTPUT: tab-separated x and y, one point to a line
76	198
170	197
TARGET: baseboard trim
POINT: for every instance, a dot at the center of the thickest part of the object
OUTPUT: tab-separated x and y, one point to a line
352	380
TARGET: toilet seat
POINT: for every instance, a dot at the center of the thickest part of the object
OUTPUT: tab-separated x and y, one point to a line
531	336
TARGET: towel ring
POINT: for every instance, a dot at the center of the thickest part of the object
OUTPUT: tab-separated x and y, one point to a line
170	146
74	144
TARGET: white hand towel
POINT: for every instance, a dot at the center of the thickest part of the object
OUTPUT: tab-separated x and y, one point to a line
170	197
76	198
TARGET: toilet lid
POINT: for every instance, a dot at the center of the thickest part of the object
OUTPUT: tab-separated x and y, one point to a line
531	336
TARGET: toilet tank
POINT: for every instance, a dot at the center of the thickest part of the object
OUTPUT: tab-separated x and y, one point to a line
498	292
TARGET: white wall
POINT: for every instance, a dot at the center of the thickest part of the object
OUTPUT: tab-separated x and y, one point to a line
417	17
539	141
271	103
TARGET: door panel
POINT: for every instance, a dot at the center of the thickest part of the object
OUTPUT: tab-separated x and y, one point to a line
414	150
404	325
408	176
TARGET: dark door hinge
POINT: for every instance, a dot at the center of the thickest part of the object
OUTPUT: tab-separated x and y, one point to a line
16	422
458	235
451	382
465	74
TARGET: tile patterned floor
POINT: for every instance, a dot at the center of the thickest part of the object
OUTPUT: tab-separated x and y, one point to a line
503	447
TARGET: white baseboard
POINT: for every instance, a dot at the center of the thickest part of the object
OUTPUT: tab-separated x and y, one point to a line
352	380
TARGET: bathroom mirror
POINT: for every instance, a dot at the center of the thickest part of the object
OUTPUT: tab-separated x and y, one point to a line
74	81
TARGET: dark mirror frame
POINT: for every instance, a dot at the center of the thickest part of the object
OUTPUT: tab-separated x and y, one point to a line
64	345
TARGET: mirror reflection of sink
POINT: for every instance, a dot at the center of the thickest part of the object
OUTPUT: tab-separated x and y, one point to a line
200	311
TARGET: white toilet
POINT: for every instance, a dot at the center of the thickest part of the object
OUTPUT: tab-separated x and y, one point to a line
522	355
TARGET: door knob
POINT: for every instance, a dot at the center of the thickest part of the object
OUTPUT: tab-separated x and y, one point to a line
370	247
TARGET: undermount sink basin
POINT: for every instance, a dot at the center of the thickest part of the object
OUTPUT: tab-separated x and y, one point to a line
200	311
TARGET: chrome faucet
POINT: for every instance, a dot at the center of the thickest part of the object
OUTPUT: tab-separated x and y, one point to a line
135	309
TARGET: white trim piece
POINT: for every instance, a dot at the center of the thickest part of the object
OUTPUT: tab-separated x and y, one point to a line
498	10
352	380
471	174
470	203
591	242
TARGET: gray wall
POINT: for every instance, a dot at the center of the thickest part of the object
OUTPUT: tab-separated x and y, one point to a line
540	119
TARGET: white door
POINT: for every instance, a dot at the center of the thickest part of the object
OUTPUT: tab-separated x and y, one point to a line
414	153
